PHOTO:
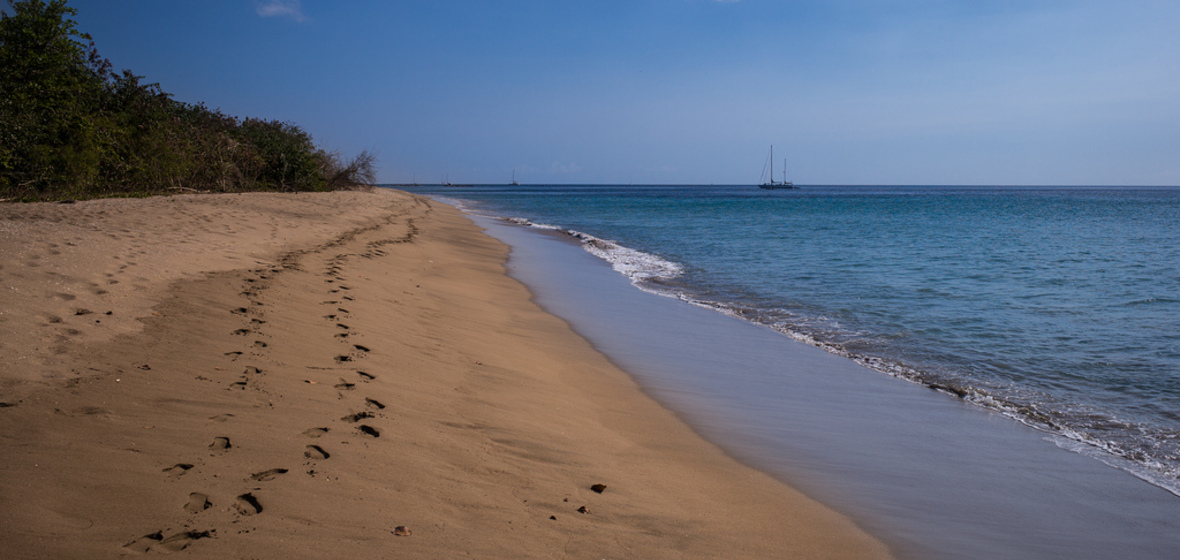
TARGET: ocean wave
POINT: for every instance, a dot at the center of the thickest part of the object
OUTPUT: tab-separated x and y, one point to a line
638	266
1150	301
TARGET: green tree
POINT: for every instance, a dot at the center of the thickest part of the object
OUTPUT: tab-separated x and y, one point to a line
51	81
289	159
72	128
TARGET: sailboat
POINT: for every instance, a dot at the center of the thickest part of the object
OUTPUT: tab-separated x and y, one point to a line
514	183
771	183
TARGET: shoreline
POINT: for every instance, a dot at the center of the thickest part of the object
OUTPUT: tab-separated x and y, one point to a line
931	475
1145	457
369	365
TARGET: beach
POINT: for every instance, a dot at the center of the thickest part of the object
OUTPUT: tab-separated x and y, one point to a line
925	469
337	374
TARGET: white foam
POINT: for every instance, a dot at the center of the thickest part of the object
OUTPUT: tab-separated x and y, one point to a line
638	266
1152	472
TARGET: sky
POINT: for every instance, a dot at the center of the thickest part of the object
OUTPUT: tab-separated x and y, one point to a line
903	92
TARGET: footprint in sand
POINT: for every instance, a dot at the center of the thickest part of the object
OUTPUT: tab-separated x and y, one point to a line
366	376
269	474
344	386
220	443
360	352
369	430
247	504
374	403
197	502
348	357
174	543
145	543
181	541
315	452
178	469
315	432
357	416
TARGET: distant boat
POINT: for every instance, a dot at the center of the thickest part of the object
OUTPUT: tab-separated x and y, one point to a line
514	177
771	183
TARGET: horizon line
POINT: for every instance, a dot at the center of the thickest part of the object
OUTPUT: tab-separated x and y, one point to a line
755	185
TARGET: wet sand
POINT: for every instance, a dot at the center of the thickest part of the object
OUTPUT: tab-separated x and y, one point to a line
933	476
333	375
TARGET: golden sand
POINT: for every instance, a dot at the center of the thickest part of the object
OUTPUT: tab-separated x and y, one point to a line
338	375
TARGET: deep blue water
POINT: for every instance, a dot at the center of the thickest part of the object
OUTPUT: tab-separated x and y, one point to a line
1059	307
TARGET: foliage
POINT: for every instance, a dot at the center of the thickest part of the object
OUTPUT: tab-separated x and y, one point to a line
72	128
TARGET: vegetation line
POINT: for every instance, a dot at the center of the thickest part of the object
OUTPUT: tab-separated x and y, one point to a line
71	127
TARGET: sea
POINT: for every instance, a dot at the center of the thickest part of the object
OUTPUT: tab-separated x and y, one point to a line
1054	308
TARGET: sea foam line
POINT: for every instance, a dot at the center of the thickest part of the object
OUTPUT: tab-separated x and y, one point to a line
638	266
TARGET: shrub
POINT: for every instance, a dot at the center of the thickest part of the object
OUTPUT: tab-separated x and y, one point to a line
72	128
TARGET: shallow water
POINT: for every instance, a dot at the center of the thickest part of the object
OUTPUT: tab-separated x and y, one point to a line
1058	307
930	474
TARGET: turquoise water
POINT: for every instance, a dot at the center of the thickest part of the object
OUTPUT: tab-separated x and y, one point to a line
1059	307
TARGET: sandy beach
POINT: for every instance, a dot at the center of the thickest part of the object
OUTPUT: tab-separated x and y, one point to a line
335	375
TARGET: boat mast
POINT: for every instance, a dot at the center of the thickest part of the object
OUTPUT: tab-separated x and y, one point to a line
772	164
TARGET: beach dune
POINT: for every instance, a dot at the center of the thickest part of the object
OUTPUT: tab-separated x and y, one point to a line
333	375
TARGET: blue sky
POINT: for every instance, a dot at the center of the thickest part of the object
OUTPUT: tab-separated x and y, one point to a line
1021	92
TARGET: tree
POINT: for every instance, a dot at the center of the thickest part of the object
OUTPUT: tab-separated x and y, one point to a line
72	128
51	80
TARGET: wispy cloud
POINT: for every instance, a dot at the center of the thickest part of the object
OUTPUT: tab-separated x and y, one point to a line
281	8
